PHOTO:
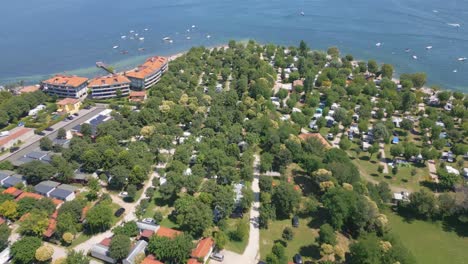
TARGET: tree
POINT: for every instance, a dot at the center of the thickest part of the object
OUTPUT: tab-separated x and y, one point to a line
61	133
158	217
193	216
241	232
288	234
387	71
380	131
303	48
366	250
408	100
119	247
410	150
86	130
406	124
76	257
327	235
23	251
36	171
99	218
131	190
285	199
35	223
345	143
220	239
373	149
176	250
44	253
46	144
9	209
5	232
447	180
67	237
423	203
372	66
129	229
334	52
397	150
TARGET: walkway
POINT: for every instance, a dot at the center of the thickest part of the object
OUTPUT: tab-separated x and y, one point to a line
383	159
433	171
251	253
336	141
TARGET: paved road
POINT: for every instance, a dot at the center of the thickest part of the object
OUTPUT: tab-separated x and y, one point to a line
33	143
251	253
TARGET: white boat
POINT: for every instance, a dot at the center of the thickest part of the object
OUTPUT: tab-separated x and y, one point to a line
302	13
189	38
188	30
115	47
170	41
193	26
378	44
208	36
132	31
415	57
454	25
455	71
141	39
136	34
166	38
462	59
429	47
123	37
435	11
407	50
146	29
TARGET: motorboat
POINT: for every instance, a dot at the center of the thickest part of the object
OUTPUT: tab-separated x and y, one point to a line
415	57
462	59
429	47
378	44
115	47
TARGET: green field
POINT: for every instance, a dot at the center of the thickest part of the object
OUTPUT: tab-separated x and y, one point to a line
237	246
303	241
428	241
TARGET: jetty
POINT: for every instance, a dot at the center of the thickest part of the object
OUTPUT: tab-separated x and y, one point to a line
105	67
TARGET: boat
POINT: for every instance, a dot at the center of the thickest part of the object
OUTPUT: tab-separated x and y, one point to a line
141	39
188	30
302	13
115	47
429	47
415	57
171	41
141	49
378	44
123	37
454	25
146	29
166	38
136	34
462	59
455	71
208	36
407	50
124	52
189	38
193	26
132	31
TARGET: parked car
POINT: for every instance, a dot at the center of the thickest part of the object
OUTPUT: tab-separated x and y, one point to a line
123	194
70	117
87	107
149	221
49	129
330	136
13	149
119	212
76	114
40	133
295	221
217	256
297	259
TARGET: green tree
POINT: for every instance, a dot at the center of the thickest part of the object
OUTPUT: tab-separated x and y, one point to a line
61	133
327	235
119	247
99	218
86	130
129	229
76	257
23	251
5	232
46	144
334	52
381	132
387	71
372	66
34	224
36	171
285	199
288	234
175	250
423	203
397	150
193	216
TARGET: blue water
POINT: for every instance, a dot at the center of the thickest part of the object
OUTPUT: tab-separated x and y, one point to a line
42	37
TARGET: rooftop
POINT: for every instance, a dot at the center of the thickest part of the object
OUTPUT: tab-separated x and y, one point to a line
14	134
108	80
67	101
13	191
137	93
167	232
150	259
203	248
29	194
29	89
60	193
72	81
106	242
149	67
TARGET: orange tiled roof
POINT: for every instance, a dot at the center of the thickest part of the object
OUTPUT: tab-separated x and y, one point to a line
317	136
18	133
67	101
147	233
106	242
193	261
150	259
72	81
29	194
13	191
57	202
54	214
149	67
29	89
51	228
167	232
2	220
203	248
108	80
83	213
137	93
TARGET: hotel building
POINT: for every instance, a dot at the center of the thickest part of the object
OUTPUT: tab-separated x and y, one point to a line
109	86
66	86
147	74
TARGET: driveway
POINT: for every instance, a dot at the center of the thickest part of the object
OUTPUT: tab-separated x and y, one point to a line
433	171
33	142
251	253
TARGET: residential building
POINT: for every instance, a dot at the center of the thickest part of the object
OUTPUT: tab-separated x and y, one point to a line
137	96
5	174
147	74
138	249
150	259
167	232
147	226
46	187
30	195
15	136
101	251
203	250
13	180
109	86
66	86
62	194
13	192
69	106
36	110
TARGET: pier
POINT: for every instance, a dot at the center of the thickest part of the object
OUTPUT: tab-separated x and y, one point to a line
105	67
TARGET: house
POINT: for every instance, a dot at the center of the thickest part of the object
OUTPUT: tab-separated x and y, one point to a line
287	86
110	86
147	74
397	121
146	226
46	187
297	83
30	195
137	96
15	136
137	250
101	251
145	235
465	172
400	197
62	194
203	250
52	227
29	89
36	110
5	174
13	192
13	180
150	259
452	170
167	232
68	106
66	86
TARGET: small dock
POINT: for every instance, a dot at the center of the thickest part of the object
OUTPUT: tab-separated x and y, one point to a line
105	67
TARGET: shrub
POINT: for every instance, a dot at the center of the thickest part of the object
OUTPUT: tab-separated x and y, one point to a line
158	217
67	237
288	234
380	168
44	253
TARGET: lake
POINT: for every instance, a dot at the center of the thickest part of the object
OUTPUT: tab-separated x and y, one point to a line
40	38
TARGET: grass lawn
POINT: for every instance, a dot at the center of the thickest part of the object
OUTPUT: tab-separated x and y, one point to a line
303	241
82	237
428	241
237	246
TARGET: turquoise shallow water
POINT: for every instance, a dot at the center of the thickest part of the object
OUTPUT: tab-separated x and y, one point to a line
39	38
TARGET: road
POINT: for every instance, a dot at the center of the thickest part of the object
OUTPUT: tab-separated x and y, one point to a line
130	215
383	159
336	141
433	171
33	143
252	251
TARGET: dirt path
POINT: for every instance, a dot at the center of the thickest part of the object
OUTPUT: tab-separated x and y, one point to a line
383	159
433	171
